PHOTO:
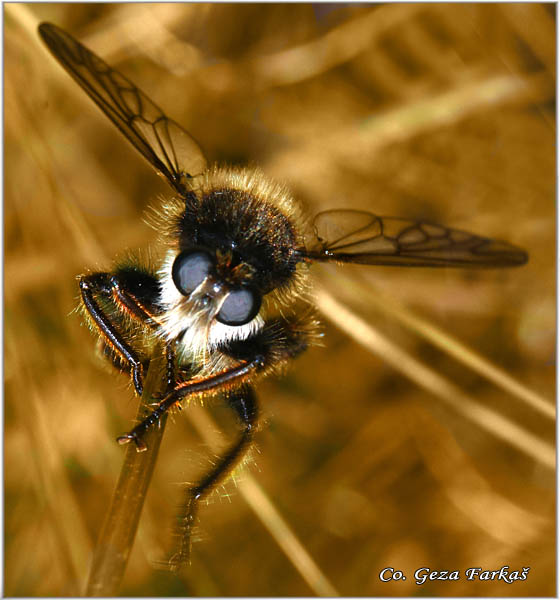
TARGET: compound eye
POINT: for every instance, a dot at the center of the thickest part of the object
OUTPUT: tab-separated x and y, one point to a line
240	306
190	269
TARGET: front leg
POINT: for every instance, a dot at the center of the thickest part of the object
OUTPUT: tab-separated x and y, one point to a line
134	292
100	283
269	349
215	383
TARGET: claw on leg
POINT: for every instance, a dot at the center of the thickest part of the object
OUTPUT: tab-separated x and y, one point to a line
127	437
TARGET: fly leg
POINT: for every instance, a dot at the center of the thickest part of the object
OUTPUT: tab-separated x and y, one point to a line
100	283
221	382
244	403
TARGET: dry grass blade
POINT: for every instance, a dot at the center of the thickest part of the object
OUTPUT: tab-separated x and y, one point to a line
114	545
337	46
149	32
295	551
485	418
356	145
267	513
467	355
71	537
473	495
364	294
25	19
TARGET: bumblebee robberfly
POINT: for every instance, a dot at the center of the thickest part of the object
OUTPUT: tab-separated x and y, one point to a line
229	295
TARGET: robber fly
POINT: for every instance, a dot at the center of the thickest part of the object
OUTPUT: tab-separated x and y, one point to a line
226	300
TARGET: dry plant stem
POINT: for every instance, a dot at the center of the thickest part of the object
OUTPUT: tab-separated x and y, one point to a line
503	428
113	548
452	346
300	557
468	356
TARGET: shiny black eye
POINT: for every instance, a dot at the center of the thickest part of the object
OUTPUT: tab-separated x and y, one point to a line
190	269
240	306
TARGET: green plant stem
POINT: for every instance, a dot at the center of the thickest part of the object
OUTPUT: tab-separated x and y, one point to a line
115	541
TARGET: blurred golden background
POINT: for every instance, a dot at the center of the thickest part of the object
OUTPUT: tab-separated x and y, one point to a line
444	112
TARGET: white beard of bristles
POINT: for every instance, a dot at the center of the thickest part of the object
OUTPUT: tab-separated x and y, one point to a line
189	327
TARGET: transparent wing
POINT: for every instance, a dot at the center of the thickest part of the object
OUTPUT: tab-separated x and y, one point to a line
168	147
361	237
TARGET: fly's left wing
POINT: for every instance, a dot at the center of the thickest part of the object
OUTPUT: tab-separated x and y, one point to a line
356	236
166	145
